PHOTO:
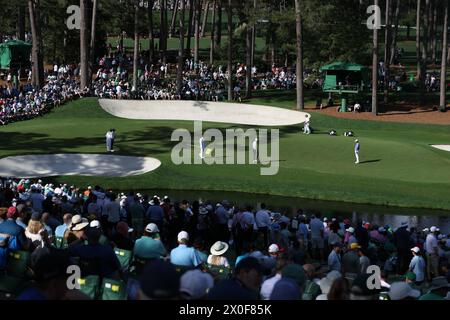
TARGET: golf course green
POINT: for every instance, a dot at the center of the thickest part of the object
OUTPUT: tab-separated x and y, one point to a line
398	166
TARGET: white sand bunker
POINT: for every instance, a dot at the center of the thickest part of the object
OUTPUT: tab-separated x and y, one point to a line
222	112
445	147
33	166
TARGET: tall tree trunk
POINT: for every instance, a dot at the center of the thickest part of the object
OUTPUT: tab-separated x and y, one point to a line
248	62
37	59
299	47
253	38
218	33
84	46
230	50
442	100
430	26
21	22
375	69
387	50
418	32
136	46
163	31
151	40
395	33
189	33
181	50
198	13
205	19
434	34
174	18
424	60
213	34
92	46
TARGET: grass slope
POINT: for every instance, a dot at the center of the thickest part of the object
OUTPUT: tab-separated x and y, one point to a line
399	167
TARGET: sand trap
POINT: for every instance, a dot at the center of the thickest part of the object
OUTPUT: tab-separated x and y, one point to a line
33	166
445	147
222	112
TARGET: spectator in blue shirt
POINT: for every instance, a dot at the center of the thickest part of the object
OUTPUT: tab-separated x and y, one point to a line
184	255
59	231
334	259
155	213
10	227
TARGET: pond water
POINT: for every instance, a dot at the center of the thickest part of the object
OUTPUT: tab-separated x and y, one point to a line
379	215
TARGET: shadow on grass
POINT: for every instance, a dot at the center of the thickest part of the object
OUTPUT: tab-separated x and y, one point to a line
370	161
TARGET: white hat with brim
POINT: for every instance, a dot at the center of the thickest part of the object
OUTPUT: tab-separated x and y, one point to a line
219	248
402	290
327	282
80	226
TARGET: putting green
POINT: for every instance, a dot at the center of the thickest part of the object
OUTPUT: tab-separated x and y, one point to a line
398	164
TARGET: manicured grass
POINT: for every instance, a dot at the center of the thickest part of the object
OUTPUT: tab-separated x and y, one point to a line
399	167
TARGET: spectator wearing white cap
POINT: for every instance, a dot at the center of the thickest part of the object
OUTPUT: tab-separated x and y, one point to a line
184	255
195	285
432	249
417	265
149	246
351	236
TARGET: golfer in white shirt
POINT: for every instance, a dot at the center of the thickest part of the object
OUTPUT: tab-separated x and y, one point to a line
255	150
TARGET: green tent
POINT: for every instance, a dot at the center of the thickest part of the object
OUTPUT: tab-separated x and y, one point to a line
15	54
345	77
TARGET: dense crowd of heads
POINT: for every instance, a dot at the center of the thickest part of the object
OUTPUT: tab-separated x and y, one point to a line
198	250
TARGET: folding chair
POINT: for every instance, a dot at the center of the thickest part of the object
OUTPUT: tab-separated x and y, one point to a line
18	263
113	289
218	272
90	286
125	258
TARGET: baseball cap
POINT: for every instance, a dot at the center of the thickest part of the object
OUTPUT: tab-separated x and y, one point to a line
273	248
95	224
183	235
410	276
152	228
11	212
415	249
196	284
402	290
433	229
351	230
160	280
354	246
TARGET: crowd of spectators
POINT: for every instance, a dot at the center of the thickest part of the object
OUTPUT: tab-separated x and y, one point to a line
148	247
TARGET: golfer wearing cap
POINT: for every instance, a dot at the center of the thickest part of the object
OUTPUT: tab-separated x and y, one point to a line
357	147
